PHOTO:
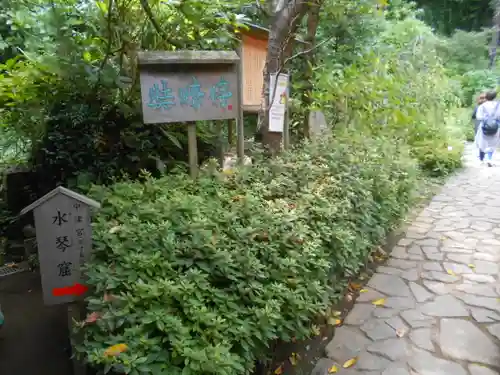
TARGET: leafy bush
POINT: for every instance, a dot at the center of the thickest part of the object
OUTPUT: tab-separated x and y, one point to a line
204	275
399	90
476	81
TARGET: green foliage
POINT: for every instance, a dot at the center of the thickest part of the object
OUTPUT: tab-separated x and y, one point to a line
398	89
204	275
85	57
477	81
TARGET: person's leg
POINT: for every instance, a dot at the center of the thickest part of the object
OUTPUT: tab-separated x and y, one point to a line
489	154
481	155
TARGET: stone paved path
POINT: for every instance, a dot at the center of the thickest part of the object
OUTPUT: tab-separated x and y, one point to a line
441	287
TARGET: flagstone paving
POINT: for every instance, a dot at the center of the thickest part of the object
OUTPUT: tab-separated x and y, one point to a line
440	288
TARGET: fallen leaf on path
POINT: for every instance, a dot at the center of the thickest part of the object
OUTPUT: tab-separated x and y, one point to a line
294	359
114	350
334	321
473	266
450	272
333	369
355	286
336	313
363	290
379	302
350	362
278	371
315	330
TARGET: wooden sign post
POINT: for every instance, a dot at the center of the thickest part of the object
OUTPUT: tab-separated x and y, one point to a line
64	238
189	86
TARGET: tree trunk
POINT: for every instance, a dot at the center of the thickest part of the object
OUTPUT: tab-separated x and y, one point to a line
284	25
309	60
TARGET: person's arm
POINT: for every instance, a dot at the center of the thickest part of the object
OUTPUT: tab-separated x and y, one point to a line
480	114
474	113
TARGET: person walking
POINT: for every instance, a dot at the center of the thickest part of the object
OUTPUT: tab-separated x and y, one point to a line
480	100
487	135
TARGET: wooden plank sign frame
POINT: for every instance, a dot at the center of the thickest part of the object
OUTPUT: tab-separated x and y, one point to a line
190	86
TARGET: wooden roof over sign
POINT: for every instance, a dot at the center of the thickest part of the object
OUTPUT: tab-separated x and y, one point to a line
260	32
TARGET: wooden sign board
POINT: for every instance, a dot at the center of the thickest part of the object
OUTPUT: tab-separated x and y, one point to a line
254	53
189	86
64	238
194	96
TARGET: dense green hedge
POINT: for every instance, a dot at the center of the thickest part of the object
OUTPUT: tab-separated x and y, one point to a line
204	275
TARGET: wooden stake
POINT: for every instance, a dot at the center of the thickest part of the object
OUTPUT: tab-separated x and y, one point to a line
76	312
240	127
192	150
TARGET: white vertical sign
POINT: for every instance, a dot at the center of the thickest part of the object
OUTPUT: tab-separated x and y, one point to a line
278	107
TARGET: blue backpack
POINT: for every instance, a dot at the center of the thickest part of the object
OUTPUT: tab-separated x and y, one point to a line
491	123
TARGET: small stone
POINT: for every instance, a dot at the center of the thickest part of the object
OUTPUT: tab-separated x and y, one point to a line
424	363
323	365
483	315
479	278
346	344
359	314
422	338
390	285
369	362
396	323
445	306
377	330
462	340
393	349
481	370
460	258
402	264
439	276
416	319
421	294
477	289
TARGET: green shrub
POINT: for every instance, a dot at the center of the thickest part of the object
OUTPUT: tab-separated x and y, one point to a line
205	275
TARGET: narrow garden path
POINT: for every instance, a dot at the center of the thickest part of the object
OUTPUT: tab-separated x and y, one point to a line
437	305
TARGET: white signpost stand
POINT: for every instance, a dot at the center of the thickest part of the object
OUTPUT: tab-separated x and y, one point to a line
64	238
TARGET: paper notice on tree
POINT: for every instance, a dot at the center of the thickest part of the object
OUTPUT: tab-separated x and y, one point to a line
279	102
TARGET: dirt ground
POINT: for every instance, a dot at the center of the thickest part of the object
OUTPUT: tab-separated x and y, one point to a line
34	339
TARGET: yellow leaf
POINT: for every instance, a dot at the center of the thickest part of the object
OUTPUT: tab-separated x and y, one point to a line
336	313
355	286
450	272
278	371
363	290
379	302
350	362
333	369
334	321
294	359
472	266
114	350
315	330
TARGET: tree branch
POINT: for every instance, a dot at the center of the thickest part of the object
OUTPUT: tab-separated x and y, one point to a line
156	25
